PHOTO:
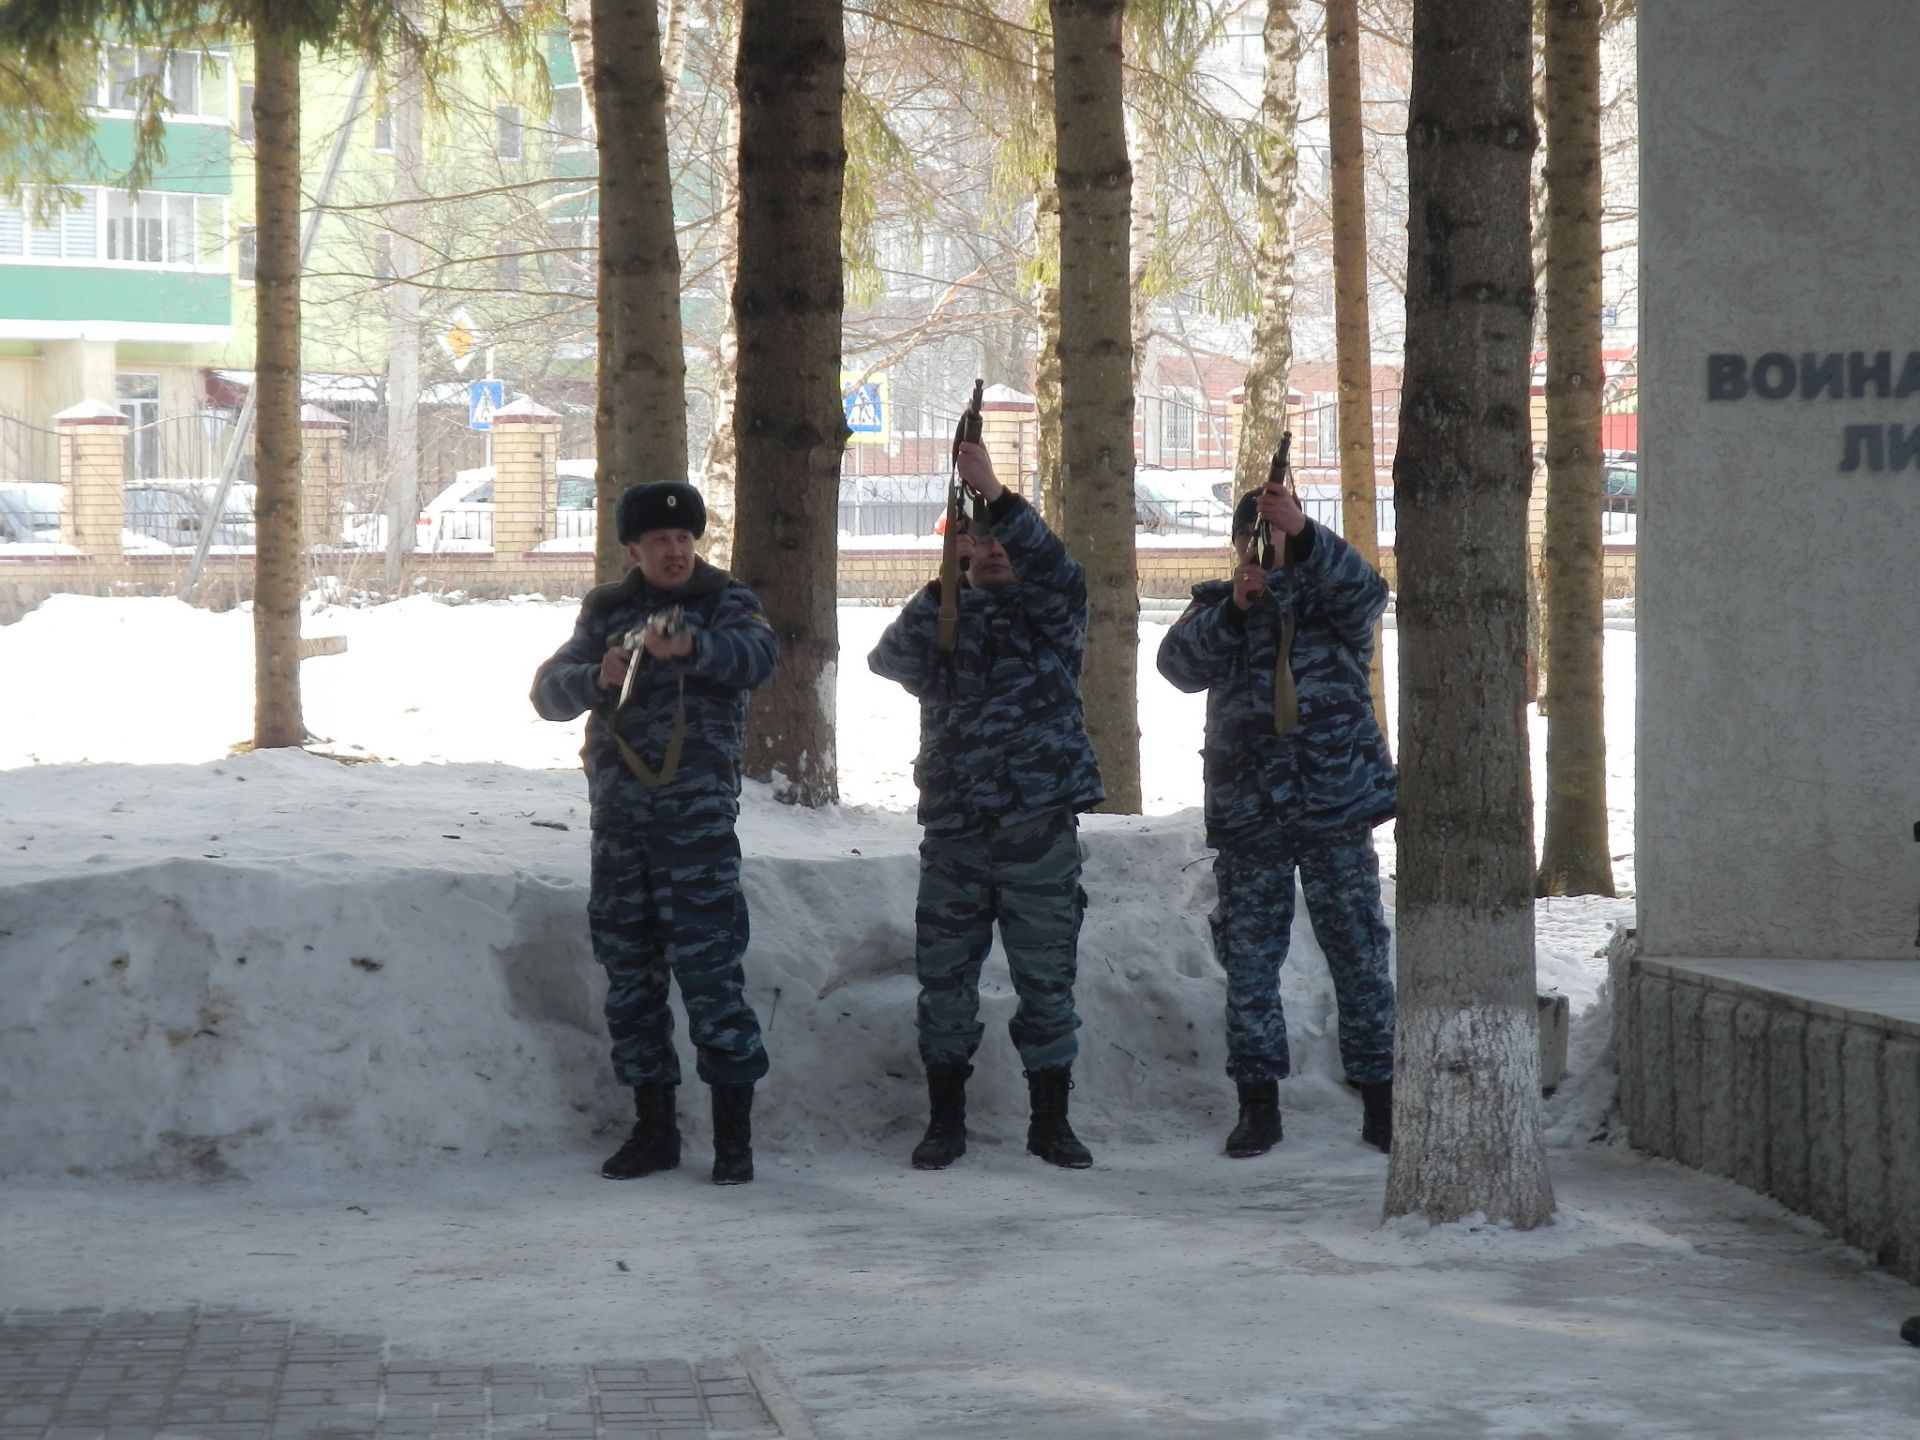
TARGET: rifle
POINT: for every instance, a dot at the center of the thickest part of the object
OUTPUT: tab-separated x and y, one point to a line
1286	695
966	431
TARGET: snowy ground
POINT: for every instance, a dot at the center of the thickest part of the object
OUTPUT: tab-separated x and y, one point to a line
287	1033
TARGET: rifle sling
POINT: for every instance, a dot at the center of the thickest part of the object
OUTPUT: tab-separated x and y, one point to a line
670	763
1286	695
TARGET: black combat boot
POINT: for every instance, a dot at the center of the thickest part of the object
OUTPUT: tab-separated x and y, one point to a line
732	1134
655	1141
1376	1109
1258	1130
946	1137
1048	1134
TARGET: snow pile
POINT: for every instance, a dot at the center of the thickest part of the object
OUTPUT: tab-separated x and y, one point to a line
215	963
278	960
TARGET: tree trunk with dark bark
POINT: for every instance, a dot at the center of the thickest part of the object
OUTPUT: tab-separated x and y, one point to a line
789	424
1096	376
639	252
277	720
1466	1134
1575	854
1352	320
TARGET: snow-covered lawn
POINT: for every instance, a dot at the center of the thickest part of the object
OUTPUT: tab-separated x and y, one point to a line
242	994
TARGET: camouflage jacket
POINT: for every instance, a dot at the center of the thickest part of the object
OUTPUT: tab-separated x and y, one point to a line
734	650
1333	771
1002	735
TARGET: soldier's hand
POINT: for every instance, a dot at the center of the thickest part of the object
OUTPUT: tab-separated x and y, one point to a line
1249	584
613	667
976	470
1280	508
662	648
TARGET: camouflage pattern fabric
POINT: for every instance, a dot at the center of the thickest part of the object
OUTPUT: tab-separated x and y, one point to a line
669	902
1333	771
665	893
1026	876
734	650
1340	875
1002	734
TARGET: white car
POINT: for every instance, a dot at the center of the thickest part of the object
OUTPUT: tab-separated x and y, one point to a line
460	517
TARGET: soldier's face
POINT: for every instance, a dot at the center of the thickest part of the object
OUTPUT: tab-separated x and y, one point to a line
987	562
665	557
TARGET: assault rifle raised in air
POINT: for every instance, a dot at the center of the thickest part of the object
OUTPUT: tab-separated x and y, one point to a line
1286	696
967	431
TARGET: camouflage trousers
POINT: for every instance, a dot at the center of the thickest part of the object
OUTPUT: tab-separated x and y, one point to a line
1026	876
670	903
1340	875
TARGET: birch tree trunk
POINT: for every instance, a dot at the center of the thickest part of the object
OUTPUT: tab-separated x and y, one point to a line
639	253
1046	245
403	320
277	719
1263	406
1575	856
1352	321
789	424
1467	1088
609	555
1096	376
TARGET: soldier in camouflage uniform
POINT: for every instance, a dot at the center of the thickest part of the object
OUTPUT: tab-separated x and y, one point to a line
1282	799
663	781
1004	768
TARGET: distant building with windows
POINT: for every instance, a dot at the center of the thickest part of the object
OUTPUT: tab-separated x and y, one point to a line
143	301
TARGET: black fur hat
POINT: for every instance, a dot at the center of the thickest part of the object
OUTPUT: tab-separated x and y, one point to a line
662	505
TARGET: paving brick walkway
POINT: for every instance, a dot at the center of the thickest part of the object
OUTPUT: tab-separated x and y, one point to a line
225	1375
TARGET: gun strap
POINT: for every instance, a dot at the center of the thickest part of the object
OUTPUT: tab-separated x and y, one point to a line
670	764
1286	695
950	573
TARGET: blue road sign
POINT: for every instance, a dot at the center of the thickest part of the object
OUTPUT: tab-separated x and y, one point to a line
866	409
483	398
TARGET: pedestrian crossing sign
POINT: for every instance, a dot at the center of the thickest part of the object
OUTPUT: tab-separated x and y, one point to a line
865	399
483	398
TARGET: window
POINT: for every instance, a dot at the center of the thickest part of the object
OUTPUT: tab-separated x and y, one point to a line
72	235
1326	426
569	118
383	121
243	117
193	82
383	255
139	401
509	143
183	82
249	247
136	227
128	73
506	272
1176	428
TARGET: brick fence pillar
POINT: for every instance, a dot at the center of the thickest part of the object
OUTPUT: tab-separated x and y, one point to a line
1008	429
93	478
525	440
323	441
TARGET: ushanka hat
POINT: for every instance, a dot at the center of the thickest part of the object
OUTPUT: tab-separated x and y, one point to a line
662	505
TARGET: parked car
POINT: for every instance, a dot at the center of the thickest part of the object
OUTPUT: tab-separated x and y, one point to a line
175	512
1180	502
1620	488
29	513
460	517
